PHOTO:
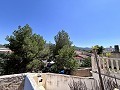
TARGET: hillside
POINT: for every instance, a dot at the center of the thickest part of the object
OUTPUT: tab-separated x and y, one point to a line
82	48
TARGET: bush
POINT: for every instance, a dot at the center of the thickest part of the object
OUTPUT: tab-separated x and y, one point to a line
86	62
35	65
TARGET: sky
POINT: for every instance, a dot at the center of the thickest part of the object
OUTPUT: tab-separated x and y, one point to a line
88	22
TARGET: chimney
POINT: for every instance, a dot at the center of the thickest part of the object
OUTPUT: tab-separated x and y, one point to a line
116	48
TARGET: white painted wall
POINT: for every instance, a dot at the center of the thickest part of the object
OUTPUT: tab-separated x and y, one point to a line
31	84
60	81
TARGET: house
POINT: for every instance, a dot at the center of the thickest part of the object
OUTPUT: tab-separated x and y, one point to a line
5	50
80	56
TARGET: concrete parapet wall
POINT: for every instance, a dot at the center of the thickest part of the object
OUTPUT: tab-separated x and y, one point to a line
51	81
60	81
31	82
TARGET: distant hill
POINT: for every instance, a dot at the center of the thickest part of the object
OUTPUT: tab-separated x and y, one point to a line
87	48
82	48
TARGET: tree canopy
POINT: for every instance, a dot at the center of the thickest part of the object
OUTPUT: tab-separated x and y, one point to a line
30	49
26	46
64	51
99	49
61	39
66	59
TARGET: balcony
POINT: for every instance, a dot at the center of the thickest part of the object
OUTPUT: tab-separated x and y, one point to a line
107	66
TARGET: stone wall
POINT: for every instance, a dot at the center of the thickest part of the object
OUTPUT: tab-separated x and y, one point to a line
12	82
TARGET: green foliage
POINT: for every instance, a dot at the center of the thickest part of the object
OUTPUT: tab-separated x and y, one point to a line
3	59
1	66
61	39
63	52
65	58
45	53
25	45
66	52
86	62
108	54
52	48
35	65
2	55
99	49
12	66
29	50
54	69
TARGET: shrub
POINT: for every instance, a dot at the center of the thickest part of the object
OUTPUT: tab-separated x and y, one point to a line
35	65
86	62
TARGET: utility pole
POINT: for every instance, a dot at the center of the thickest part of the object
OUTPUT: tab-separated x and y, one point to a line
99	72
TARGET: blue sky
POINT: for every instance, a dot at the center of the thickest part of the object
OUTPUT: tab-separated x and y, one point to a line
88	22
